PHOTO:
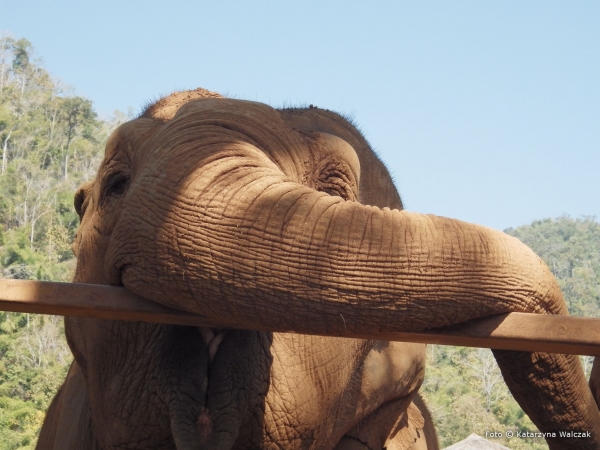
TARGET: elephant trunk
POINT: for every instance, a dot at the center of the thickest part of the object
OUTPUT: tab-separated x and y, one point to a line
239	241
236	240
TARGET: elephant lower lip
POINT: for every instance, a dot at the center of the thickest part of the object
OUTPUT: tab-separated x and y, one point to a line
205	425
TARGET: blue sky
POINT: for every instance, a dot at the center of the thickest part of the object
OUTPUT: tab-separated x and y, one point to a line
484	111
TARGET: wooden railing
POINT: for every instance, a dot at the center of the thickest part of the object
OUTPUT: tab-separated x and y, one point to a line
514	331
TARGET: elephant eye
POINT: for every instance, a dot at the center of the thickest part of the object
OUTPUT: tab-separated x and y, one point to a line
334	180
117	183
335	189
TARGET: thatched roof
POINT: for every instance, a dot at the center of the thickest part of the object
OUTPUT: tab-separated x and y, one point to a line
475	442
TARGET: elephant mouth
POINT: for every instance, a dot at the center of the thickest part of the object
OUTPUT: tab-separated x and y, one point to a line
219	355
213	337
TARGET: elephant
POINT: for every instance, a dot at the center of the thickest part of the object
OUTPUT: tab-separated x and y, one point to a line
285	229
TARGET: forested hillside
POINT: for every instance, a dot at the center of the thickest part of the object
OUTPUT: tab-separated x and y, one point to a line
52	140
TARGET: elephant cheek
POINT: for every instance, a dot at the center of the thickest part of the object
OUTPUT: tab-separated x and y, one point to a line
76	341
137	251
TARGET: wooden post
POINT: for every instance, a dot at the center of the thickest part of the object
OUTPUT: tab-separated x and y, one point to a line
514	331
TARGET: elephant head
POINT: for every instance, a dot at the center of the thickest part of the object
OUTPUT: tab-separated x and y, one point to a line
280	221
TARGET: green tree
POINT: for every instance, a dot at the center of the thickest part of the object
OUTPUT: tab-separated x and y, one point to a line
50	142
79	117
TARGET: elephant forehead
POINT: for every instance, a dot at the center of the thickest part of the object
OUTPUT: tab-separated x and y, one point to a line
153	144
224	110
167	107
125	142
221	122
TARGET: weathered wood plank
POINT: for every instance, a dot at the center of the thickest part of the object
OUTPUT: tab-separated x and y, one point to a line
89	300
514	331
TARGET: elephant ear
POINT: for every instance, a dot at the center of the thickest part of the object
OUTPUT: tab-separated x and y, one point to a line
166	108
376	184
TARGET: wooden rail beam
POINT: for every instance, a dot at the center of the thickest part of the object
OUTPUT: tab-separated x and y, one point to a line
514	331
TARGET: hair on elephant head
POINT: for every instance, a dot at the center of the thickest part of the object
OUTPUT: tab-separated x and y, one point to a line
270	222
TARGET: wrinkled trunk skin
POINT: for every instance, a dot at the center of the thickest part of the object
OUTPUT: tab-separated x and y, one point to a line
534	377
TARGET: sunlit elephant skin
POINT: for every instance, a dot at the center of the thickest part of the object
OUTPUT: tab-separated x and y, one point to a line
260	219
